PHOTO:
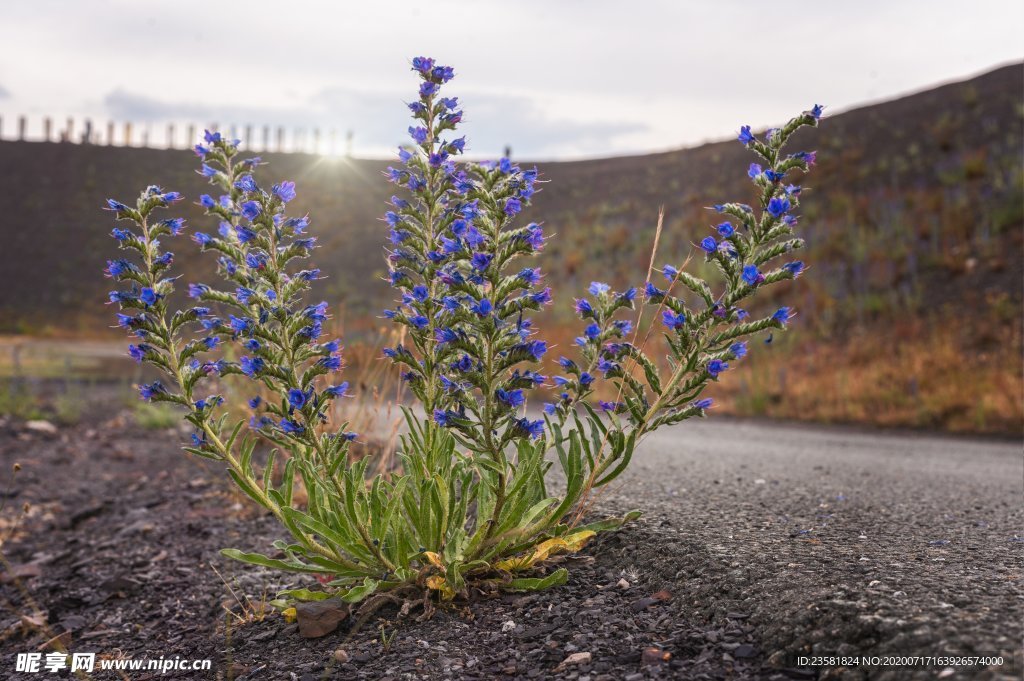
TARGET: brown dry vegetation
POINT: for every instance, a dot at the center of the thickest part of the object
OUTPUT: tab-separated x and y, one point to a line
910	314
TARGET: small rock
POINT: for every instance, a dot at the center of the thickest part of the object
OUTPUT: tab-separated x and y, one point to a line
508	626
42	427
20	572
654	655
574	659
623	584
340	656
120	585
319	618
744	650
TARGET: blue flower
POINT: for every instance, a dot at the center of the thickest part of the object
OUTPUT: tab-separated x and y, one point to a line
255	402
297	398
651	291
121	234
115	268
704	403
443	336
535	236
585	379
251	366
256	261
423	64
530	276
816	111
807	157
537	348
513	206
442	73
482	308
592	331
481	261
152	390
251	210
782	315
246	183
583	307
513	398
550	408
745	137
795	268
778	206
739	350
418	134
138	352
285	191
240	325
598	288
716	366
532	429
754	171
340	390
419	321
331	362
726	229
673	320
708	244
773	175
148	296
751	275
292	427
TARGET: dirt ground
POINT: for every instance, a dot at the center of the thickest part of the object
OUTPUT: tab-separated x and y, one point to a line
744	561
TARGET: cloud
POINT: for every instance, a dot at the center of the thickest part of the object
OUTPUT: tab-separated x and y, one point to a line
378	120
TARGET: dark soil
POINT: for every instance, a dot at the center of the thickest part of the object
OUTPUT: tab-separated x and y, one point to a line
120	552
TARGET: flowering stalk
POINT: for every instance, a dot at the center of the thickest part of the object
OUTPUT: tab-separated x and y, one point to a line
704	330
472	358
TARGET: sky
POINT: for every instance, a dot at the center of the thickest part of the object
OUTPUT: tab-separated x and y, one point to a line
552	79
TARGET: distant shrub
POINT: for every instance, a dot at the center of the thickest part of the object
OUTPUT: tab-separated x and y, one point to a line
474	501
155	416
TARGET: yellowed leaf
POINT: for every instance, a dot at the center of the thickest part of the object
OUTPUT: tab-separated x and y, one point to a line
434	559
439	583
289	615
570	543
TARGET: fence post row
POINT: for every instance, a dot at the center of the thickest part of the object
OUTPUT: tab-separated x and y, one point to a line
256	138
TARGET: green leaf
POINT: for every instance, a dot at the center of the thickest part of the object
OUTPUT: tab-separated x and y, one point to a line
358	593
265	561
556	578
304	595
610	523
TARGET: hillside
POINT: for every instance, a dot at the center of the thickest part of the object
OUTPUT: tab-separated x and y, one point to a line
914	220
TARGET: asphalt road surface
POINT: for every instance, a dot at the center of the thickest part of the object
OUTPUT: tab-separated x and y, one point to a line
844	541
